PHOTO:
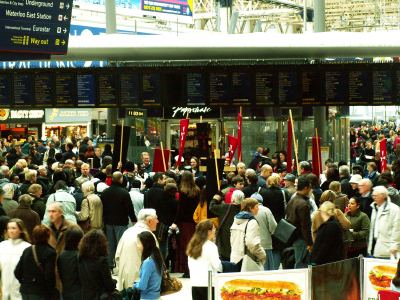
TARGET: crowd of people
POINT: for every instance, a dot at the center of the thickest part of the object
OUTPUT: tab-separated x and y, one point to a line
72	228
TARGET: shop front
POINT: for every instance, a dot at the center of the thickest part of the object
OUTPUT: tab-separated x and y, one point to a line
20	123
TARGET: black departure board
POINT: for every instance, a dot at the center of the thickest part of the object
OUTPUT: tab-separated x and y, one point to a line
85	85
23	90
106	90
359	87
311	87
335	87
65	87
242	88
265	88
382	87
196	89
151	83
44	92
129	87
288	88
219	89
5	89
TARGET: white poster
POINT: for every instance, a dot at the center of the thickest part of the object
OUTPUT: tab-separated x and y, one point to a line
281	284
378	274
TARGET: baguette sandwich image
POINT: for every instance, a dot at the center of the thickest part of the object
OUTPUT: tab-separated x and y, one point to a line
243	289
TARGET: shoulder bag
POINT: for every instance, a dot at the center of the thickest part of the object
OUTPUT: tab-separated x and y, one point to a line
249	262
169	285
284	230
86	224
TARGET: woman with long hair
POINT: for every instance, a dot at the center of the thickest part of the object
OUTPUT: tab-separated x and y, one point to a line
93	268
10	252
36	268
203	256
150	277
189	196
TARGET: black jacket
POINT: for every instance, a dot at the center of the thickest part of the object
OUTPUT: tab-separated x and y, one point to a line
69	274
346	186
274	200
250	190
365	204
32	279
95	277
67	155
164	204
45	183
298	214
153	197
117	206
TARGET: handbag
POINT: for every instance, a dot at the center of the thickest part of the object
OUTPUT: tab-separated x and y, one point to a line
249	262
86	225
284	230
114	295
169	285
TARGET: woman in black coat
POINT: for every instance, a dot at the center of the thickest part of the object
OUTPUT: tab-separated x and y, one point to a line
38	279
93	268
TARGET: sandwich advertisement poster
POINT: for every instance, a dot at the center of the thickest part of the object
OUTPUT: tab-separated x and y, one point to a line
378	274
282	285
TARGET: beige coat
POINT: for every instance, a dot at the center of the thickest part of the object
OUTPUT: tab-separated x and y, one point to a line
320	217
95	213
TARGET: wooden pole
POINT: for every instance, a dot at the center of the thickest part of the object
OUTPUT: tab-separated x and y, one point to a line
163	157
318	153
295	144
122	141
216	169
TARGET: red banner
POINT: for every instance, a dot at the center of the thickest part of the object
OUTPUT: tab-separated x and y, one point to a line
289	148
158	162
316	156
239	144
383	152
184	124
233	143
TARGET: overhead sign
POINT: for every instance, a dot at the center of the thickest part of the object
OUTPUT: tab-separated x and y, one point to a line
35	26
68	115
21	116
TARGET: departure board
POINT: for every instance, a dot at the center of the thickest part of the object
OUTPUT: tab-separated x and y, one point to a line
106	90
85	84
151	95
219	89
242	88
44	92
359	87
23	90
288	88
311	87
335	88
129	86
265	88
5	89
382	86
65	87
196	88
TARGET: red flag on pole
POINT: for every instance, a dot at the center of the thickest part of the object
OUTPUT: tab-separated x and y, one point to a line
233	143
383	152
184	124
158	162
239	144
316	156
289	148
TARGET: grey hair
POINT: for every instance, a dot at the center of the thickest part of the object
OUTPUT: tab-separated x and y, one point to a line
87	188
344	170
146	213
237	197
58	206
381	190
250	171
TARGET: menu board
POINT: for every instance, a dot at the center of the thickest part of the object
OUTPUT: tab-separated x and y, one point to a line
65	90
85	89
219	89
264	88
23	90
288	88
129	89
241	88
151	89
359	87
43	89
382	86
5	89
106	90
196	88
335	87
311	87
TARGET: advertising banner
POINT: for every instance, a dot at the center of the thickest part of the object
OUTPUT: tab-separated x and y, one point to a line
378	274
294	284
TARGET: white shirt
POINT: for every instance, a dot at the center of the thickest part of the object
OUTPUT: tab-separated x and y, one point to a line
208	260
377	220
137	199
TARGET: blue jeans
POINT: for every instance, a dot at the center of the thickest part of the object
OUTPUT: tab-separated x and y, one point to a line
273	260
113	234
301	254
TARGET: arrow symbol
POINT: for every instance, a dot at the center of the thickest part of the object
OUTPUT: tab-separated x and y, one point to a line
63	42
67	6
65	30
65	18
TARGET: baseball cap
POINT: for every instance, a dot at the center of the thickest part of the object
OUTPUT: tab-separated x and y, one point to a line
290	177
355	178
